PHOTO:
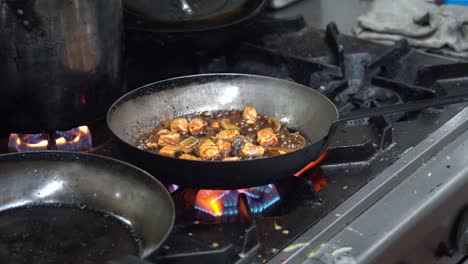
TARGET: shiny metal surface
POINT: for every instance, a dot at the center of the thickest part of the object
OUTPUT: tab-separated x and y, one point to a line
277	4
302	108
60	62
141	110
100	183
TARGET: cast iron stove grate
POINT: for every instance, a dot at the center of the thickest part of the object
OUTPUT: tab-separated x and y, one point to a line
355	74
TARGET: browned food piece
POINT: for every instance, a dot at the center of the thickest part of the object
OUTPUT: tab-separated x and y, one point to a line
163	131
227	124
267	137
224	147
228	135
215	125
151	144
179	125
250	115
171	138
196	125
169	150
189	144
231	159
189	157
208	150
206	142
250	150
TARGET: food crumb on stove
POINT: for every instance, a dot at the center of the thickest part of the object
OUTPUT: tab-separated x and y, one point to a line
375	145
345	187
274	250
447	157
313	252
286	232
190	234
341	251
337	215
429	174
241	255
214	244
277	227
293	247
196	222
391	146
166	247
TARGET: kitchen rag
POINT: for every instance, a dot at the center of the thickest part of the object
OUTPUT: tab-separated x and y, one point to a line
442	29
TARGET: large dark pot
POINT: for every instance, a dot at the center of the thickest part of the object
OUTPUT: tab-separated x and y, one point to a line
60	62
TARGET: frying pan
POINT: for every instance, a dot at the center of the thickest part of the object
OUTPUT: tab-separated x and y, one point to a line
63	206
301	107
209	24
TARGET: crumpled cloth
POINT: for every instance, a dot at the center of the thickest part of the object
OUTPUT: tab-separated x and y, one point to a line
441	29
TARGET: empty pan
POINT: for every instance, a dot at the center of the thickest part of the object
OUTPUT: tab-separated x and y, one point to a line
301	107
60	207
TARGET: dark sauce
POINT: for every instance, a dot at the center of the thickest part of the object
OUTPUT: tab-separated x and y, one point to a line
288	139
53	234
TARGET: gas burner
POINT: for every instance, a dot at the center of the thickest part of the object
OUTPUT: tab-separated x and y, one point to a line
88	138
224	203
76	139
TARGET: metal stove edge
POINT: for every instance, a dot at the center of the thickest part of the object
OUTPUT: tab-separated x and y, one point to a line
334	229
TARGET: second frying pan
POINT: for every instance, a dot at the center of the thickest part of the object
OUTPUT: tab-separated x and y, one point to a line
183	24
301	107
64	207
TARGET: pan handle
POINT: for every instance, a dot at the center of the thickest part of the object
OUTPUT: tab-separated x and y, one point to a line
392	109
406	107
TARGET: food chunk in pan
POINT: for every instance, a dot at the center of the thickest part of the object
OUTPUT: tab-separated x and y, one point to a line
267	137
224	147
208	150
171	138
197	125
250	150
188	157
170	151
250	115
180	125
228	135
189	144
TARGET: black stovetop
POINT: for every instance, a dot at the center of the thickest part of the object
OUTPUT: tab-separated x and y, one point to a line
349	71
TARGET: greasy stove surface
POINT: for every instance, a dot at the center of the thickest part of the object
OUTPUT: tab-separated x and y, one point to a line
349	71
